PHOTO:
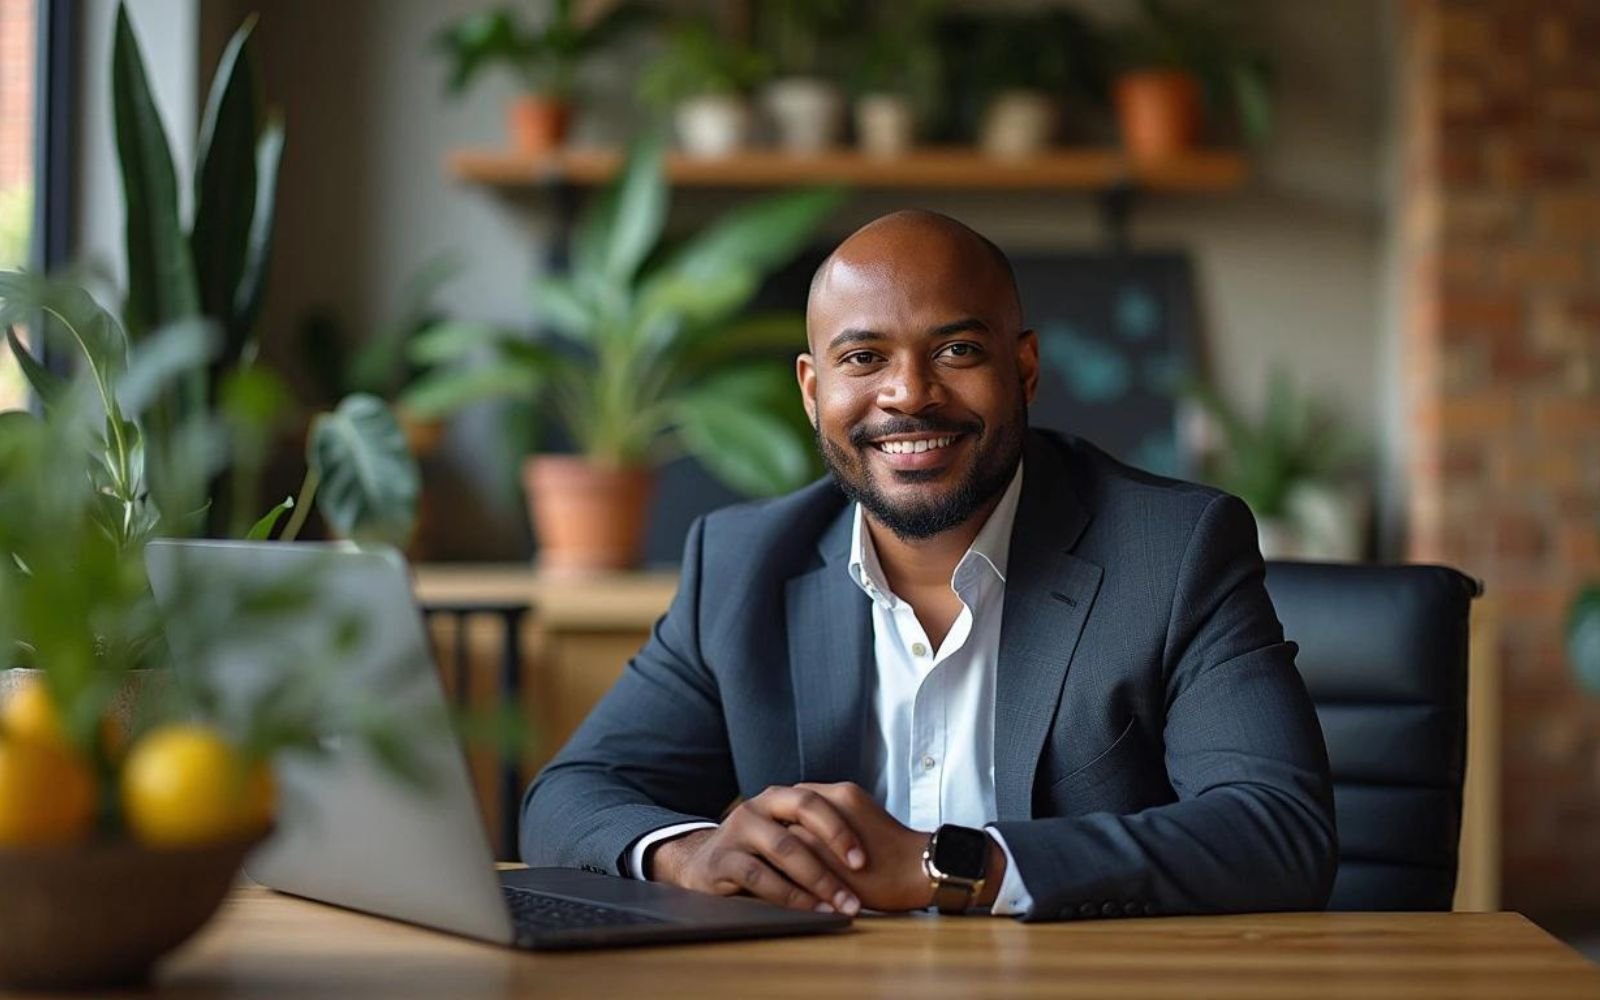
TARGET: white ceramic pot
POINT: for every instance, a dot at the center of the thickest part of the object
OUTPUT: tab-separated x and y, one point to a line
807	113
1332	520
712	125
885	125
1017	124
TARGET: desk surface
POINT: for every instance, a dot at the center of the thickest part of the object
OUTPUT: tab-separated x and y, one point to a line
267	945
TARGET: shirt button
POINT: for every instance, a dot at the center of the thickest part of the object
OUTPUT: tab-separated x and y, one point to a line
927	763
918	649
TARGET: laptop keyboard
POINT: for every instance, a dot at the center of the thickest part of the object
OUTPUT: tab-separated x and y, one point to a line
535	911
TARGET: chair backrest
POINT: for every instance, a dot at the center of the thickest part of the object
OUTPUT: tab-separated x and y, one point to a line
1383	650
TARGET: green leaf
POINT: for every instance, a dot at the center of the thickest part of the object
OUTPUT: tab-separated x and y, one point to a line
735	425
759	236
757	334
454	342
47	385
225	185
169	354
262	529
638	212
258	256
624	223
161	282
368	478
1583	638
441	393
71	311
564	310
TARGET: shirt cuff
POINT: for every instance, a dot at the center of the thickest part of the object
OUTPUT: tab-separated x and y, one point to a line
635	867
1014	899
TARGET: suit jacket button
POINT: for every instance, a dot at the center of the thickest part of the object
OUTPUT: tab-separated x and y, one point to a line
1109	909
1132	909
1087	910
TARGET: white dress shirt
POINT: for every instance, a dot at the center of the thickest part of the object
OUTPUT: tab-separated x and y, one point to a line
934	707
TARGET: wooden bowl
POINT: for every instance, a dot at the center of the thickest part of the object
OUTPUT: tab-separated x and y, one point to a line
101	914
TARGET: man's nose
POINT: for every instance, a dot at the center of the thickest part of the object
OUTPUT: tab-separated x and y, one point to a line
910	388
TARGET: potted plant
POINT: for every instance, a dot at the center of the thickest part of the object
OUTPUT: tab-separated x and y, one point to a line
641	360
545	61
1178	61
339	365
806	107
1293	468
896	76
1019	74
1583	637
126	808
703	79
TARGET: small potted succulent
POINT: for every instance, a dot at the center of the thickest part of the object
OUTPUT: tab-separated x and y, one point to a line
806	105
1178	62
896	77
644	356
704	78
1019	73
545	61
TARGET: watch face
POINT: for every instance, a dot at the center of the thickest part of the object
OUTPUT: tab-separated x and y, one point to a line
961	851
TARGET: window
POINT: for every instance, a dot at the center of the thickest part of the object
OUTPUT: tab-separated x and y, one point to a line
19	42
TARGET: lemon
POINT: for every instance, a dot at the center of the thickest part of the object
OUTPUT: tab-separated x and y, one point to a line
29	713
185	786
47	794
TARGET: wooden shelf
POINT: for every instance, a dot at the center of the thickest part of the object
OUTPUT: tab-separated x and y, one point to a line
930	168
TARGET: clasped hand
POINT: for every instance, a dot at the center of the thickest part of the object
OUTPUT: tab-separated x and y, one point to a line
810	847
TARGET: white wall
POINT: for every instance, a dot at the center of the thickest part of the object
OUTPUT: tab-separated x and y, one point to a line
1289	269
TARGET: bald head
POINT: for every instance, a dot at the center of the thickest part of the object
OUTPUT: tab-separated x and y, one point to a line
910	251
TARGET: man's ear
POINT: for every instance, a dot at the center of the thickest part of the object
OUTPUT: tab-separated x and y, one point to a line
1028	362
805	372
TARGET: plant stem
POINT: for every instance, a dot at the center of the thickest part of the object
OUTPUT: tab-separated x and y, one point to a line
302	504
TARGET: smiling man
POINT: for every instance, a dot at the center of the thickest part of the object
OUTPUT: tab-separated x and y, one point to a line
979	667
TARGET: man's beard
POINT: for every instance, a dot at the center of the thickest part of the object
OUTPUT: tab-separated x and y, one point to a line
997	451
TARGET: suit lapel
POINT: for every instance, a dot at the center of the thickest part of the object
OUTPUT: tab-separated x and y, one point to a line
1049	592
830	660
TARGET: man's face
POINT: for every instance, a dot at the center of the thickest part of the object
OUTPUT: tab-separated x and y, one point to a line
918	380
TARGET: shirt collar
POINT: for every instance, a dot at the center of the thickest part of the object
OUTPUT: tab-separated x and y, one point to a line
992	546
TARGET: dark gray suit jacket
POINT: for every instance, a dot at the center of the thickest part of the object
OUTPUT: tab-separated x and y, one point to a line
1155	749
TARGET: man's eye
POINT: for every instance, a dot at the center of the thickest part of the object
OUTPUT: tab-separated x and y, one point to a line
860	358
960	350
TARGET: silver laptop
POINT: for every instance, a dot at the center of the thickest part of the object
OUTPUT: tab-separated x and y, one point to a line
352	833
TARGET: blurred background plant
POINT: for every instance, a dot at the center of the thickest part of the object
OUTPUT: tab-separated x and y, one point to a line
643	355
704	78
546	59
1174	59
1293	467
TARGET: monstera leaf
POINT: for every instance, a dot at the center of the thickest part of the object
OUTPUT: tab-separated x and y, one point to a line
367	479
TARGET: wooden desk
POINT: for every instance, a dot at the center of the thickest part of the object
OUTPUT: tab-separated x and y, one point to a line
265	945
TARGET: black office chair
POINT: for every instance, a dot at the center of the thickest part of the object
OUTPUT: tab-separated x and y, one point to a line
1383	650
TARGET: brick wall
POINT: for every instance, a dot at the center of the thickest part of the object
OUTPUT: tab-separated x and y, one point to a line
17	41
1500	224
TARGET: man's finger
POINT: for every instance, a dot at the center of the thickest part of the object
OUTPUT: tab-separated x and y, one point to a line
807	806
796	860
741	871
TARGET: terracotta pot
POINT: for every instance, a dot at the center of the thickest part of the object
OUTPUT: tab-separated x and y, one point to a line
587	517
538	125
423	437
1159	113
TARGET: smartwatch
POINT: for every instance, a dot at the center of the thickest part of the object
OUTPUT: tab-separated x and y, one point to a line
956	860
